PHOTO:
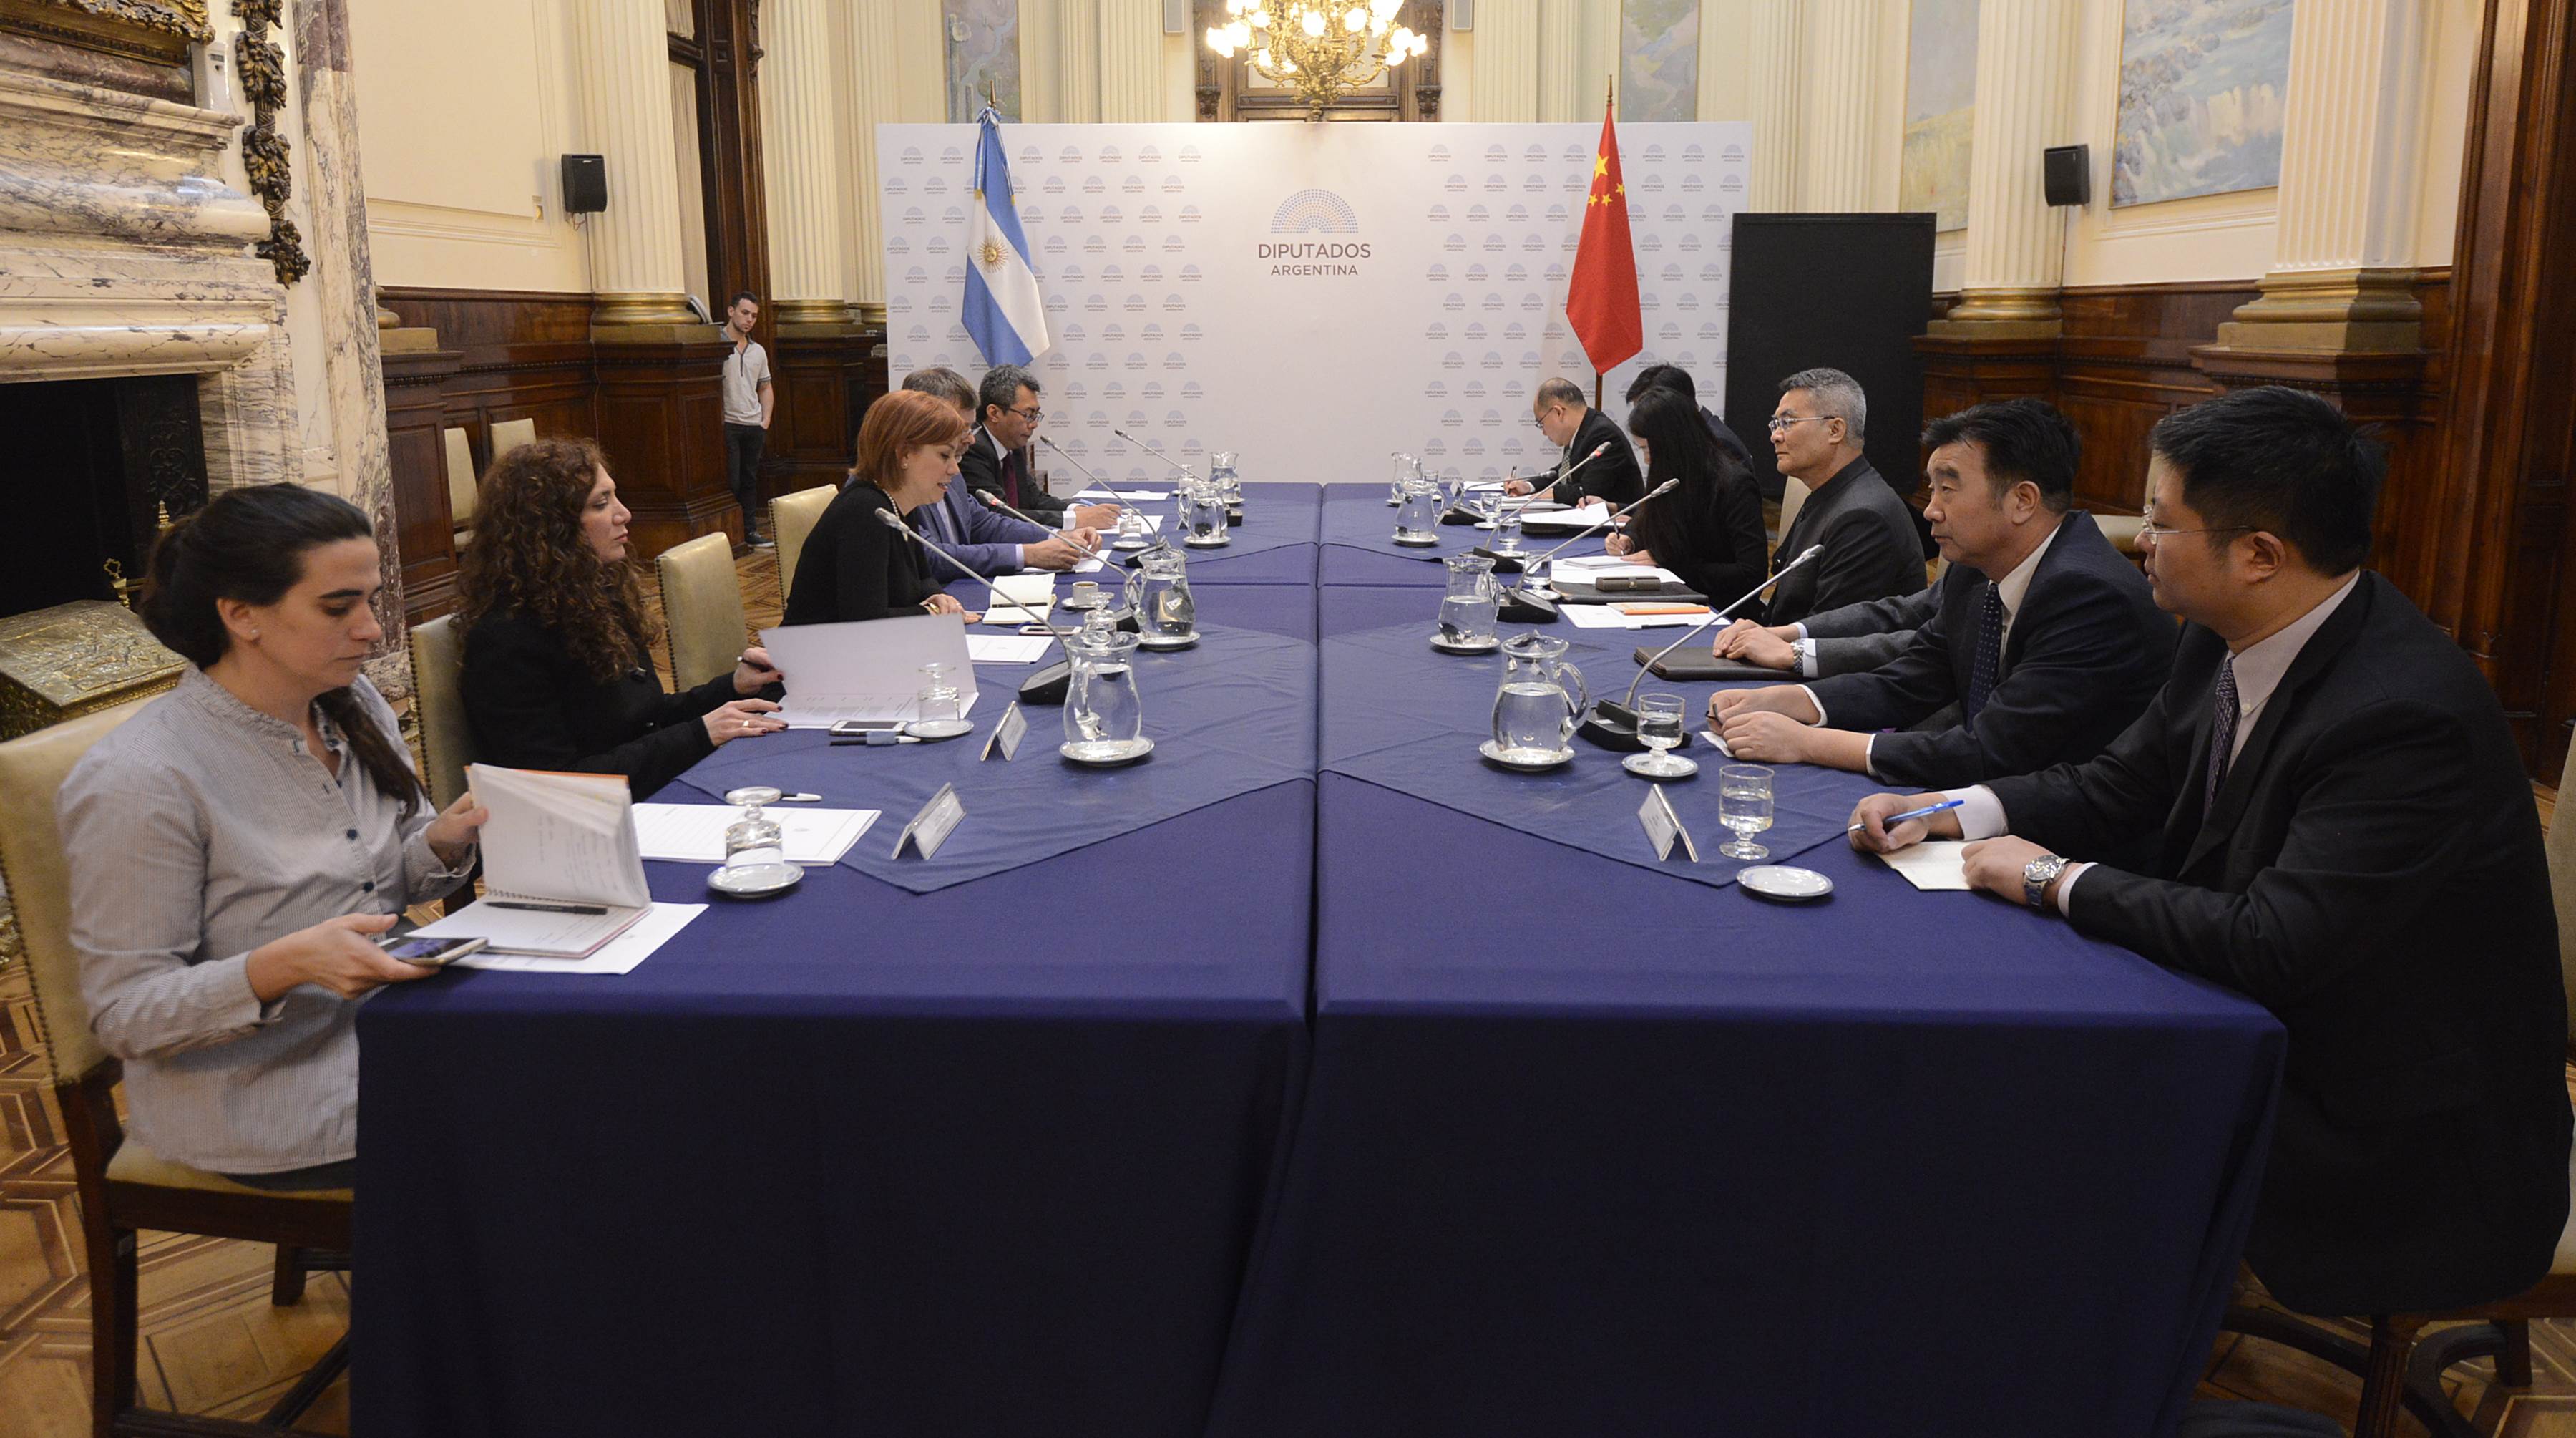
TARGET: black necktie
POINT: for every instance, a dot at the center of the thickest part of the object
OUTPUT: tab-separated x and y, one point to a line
2222	732
1990	652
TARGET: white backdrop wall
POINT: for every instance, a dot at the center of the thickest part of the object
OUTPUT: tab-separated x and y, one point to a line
1313	296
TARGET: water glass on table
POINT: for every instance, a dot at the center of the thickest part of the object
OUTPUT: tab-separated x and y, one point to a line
1659	728
1744	805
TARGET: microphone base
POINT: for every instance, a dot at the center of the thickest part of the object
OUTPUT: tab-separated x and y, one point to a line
1048	685
1234	516
1503	563
1525	606
1611	726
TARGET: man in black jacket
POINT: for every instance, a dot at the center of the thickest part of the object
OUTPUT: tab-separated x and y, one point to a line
996	459
2046	637
1867	532
1673	377
1579	429
1844	640
2343	833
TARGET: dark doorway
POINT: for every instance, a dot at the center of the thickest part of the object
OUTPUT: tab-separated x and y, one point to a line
93	463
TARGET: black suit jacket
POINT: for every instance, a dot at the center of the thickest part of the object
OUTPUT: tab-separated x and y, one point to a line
533	705
2372	873
981	464
2088	649
1729	441
1870	548
1868	634
853	567
1612	477
1709	532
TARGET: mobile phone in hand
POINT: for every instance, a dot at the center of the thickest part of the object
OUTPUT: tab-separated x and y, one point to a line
429	953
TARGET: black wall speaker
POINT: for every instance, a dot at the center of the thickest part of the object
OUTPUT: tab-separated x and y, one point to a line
2068	170
585	184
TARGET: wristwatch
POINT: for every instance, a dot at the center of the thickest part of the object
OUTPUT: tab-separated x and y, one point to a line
1797	656
2036	876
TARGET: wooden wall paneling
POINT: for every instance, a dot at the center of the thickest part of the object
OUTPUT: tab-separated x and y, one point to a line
415	416
823	386
519	354
661	420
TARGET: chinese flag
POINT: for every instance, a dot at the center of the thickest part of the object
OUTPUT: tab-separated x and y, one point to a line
1601	302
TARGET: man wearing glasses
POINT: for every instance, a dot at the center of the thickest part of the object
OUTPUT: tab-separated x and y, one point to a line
997	453
1871	549
1578	429
2343	832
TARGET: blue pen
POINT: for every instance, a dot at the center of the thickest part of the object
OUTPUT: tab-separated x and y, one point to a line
1925	812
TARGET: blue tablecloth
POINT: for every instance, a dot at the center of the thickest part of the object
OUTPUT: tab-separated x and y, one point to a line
1274	545
1233	714
1358	537
1586	1151
986	1159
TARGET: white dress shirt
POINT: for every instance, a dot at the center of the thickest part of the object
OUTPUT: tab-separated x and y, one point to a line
2259	667
2011	589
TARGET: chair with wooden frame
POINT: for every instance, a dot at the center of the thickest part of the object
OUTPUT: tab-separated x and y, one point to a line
792	518
702	615
2402	1366
124	1189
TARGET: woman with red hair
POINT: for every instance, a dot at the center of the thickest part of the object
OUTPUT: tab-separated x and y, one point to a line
853	566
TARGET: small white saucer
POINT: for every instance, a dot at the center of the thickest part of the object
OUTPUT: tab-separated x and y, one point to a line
1447	646
1160	642
755	881
1780	881
1212	542
1432	542
939	728
1511	759
1636	764
1108	754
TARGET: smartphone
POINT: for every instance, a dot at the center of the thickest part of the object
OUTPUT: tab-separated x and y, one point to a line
428	953
864	727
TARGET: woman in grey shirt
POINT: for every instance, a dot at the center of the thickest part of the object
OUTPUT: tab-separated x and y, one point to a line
236	847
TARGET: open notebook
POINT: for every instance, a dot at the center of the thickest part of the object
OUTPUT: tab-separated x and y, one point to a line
564	843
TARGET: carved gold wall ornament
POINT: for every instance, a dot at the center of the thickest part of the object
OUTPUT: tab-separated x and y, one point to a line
183	18
265	153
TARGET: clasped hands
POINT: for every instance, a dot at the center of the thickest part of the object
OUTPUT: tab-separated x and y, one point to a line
1764	646
1993	866
1772	725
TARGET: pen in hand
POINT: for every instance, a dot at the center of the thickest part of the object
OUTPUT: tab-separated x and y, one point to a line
1927	811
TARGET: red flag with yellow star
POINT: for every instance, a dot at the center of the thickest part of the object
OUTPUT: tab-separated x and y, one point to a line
1601	300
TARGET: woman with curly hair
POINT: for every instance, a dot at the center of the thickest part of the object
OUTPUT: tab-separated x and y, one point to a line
853	566
558	668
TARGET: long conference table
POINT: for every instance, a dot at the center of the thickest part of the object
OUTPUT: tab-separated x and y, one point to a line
1309	1077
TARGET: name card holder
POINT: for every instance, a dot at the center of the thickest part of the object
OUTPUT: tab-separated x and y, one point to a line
1007	734
931	827
1664	827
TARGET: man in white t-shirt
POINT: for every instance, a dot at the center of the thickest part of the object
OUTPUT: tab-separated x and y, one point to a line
748	402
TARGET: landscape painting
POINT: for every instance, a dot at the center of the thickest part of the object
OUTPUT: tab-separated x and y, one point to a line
1940	109
1659	60
2202	87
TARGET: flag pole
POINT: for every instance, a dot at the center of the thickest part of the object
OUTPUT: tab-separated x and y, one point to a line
1610	105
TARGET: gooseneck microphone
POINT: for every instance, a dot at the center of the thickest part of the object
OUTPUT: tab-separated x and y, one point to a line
1614	726
994	501
1524	605
1567	473
1049	441
1049	684
1186	471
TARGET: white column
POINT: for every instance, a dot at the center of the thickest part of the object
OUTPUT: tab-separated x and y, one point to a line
1131	60
1078	63
1772	62
1504	81
1560	60
802	154
2340	277
2026	57
622	58
1840	84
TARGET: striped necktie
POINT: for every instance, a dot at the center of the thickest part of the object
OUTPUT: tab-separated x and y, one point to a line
2222	733
1990	652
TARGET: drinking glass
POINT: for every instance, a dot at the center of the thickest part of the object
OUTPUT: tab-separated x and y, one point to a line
1133	531
1404	465
1507	526
936	708
755	859
1744	805
1659	728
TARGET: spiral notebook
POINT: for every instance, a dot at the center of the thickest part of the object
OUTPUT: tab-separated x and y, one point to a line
565	842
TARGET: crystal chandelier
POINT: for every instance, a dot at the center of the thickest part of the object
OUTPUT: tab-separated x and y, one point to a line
1319	48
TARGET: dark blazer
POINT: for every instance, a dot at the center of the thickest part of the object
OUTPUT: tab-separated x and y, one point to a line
2087	651
982	465
533	705
1710	533
1728	440
1866	635
853	567
1870	548
1612	477
2372	873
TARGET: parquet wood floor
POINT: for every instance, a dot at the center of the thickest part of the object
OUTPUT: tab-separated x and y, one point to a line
213	1344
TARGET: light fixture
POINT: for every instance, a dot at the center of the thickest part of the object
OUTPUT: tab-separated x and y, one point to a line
1322	51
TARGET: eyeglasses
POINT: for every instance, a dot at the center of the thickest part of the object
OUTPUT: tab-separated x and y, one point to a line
2150	532
1780	422
1031	415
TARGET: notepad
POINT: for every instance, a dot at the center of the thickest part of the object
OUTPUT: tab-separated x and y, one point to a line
1020	599
1567	521
1932	864
552	839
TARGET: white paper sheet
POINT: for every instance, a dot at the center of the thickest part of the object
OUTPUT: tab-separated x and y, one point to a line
1590	568
620	955
1139	495
1566	521
1007	648
1932	864
695	833
1716	743
866	669
566	837
1609	616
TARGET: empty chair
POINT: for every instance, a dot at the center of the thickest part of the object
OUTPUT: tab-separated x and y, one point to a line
701	609
509	434
460	485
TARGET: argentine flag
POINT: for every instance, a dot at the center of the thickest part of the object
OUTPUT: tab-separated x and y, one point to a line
1003	310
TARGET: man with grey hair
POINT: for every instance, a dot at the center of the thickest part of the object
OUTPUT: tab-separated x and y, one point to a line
1578	430
1870	548
997	453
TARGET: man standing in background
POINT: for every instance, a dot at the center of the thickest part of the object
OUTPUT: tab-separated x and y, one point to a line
748	402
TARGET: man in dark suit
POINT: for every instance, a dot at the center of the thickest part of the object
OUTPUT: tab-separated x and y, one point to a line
960	522
997	453
2344	833
1867	532
2046	637
1578	429
1673	377
1846	640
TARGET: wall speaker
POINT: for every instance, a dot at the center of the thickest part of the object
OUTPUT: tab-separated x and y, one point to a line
1176	17
585	184
1462	14
2068	173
